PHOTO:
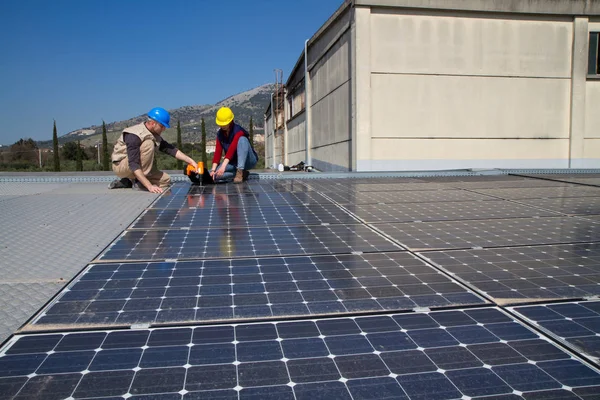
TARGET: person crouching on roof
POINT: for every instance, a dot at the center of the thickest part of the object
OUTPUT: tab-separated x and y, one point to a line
134	152
234	141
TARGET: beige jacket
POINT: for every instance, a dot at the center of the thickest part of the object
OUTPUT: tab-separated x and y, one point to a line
140	130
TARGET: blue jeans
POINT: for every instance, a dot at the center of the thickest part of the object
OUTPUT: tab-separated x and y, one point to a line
246	159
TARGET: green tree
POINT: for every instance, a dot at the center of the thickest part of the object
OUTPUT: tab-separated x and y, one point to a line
105	156
203	144
69	151
78	160
179	146
55	149
251	131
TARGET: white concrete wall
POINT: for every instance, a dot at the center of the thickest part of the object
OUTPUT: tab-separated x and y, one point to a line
296	139
591	137
330	99
462	90
269	142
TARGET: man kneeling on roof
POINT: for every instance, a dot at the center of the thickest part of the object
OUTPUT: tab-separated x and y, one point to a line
134	152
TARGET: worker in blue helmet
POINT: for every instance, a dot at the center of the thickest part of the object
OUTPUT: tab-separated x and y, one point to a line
134	152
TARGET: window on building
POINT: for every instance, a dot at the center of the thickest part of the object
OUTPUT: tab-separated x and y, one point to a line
593	62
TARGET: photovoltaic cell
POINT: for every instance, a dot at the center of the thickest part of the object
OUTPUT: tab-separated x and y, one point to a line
491	233
512	275
246	242
401	356
125	294
576	324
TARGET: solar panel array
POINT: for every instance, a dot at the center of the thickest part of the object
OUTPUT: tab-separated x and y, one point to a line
397	288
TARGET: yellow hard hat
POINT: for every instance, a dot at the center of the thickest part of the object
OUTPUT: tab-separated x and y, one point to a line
224	116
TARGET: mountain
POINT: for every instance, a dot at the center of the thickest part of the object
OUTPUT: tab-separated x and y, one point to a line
252	102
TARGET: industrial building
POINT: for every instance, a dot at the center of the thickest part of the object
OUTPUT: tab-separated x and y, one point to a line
417	85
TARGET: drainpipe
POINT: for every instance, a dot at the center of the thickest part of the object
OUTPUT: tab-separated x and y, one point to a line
274	130
266	142
307	115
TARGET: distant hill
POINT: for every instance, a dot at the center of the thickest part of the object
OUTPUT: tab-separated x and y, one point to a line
252	102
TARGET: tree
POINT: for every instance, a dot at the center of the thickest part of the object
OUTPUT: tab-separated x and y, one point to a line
24	150
203	143
179	146
78	161
69	151
105	156
251	131
55	149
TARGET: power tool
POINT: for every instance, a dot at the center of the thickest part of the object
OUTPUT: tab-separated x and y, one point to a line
201	177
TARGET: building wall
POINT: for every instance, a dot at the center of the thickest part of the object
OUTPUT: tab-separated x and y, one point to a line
269	141
330	99
451	89
296	136
591	137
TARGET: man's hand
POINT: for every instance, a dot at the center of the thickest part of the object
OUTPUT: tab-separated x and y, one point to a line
155	189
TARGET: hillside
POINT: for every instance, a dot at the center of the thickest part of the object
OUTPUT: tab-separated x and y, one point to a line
252	102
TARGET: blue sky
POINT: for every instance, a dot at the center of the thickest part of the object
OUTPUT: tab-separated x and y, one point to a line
83	61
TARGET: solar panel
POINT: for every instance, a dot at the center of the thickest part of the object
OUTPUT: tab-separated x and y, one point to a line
210	200
451	211
577	324
409	196
518	274
586	179
542	192
223	216
583	205
125	294
349	186
436	355
245	242
422	236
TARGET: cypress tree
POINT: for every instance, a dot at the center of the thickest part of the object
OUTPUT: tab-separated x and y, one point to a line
55	149
203	143
179	162
78	161
105	156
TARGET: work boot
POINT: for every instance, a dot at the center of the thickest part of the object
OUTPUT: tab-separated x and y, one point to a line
239	176
123	183
245	175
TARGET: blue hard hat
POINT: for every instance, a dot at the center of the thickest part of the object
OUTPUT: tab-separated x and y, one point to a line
161	116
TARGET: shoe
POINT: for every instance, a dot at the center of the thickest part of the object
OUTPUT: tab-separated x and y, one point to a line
123	183
239	176
245	175
138	186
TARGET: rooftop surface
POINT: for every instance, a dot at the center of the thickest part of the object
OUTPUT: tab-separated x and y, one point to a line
443	287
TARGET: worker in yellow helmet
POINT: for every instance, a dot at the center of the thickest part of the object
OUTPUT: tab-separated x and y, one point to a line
233	140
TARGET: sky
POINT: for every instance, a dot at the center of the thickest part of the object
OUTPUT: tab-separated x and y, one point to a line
80	62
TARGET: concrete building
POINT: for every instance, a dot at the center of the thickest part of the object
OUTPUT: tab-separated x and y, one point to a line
406	85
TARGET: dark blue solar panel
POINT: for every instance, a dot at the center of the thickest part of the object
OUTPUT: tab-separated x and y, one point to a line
126	294
404	356
574	324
